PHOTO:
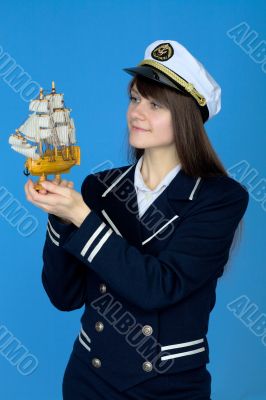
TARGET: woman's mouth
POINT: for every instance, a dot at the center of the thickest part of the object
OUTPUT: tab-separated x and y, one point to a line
138	129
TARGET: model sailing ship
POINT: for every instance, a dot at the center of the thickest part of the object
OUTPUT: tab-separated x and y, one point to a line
47	138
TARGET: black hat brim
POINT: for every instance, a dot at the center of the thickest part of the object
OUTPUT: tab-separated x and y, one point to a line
154	75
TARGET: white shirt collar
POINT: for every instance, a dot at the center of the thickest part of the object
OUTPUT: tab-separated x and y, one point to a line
140	184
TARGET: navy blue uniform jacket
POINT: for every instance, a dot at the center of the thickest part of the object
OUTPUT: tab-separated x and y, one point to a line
148	284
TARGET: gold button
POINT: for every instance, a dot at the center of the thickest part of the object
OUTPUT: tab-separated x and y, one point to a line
147	330
147	366
102	288
96	362
99	326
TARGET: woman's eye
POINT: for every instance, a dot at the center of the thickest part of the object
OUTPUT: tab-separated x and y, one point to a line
133	98
155	105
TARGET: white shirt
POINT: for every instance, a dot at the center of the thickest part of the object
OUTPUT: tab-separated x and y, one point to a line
145	195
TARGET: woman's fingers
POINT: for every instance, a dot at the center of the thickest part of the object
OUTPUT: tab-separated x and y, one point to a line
29	187
26	188
58	189
30	191
70	184
56	198
29	183
42	191
64	183
33	195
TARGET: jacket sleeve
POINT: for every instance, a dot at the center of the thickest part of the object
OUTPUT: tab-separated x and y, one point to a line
195	254
63	275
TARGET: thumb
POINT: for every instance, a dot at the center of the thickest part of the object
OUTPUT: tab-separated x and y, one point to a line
52	187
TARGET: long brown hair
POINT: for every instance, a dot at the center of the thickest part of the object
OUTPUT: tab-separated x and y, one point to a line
194	149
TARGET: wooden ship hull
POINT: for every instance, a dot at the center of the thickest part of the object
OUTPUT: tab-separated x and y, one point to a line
54	164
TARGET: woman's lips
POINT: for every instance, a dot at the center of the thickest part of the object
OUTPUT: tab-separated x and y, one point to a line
139	129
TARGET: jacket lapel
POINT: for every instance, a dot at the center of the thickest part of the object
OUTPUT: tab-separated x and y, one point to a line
120	208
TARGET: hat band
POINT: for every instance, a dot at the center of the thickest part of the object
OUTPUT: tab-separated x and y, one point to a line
189	87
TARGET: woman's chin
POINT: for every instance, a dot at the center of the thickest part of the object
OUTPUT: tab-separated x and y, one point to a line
138	143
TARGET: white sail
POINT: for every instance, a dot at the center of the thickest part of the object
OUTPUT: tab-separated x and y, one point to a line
46	133
52	140
30	128
39	105
18	141
28	152
72	132
44	121
61	116
56	100
37	127
63	134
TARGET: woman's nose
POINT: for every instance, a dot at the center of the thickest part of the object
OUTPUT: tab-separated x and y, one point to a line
138	109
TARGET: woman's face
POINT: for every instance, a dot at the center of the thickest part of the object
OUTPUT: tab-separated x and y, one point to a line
149	122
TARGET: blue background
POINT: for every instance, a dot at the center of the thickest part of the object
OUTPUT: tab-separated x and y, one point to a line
83	46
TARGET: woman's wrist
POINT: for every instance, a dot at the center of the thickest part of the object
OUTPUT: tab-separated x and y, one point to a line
61	220
80	215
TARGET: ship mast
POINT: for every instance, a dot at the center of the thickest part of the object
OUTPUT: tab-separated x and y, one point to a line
53	87
53	92
40	143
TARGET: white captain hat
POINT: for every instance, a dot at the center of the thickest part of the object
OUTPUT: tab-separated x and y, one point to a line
171	64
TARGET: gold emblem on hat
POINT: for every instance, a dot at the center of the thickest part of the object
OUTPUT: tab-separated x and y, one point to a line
162	52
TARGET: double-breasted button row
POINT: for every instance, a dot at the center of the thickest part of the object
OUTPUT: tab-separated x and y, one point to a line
99	326
147	366
102	288
96	362
147	330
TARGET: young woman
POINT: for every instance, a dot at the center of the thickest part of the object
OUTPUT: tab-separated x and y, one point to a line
143	245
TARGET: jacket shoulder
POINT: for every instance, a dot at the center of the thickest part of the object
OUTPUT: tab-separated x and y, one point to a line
221	192
222	186
95	184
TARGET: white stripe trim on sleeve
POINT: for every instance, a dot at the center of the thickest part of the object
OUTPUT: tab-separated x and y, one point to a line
85	335
185	353
52	229
51	237
92	238
179	345
99	245
84	344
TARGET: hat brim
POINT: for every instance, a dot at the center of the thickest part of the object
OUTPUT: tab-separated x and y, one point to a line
154	75
160	78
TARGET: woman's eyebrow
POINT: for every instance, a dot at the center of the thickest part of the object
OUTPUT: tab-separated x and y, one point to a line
134	90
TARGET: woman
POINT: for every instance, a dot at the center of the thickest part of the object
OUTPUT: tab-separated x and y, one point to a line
143	245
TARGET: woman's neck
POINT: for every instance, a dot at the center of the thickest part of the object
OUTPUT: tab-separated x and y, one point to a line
156	164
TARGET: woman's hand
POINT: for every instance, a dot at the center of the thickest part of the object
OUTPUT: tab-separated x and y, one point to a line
59	199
